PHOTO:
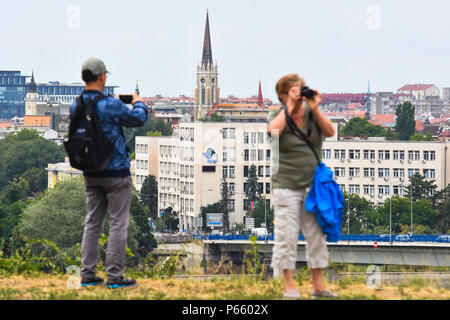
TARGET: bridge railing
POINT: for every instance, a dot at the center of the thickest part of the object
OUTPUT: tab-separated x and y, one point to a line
344	237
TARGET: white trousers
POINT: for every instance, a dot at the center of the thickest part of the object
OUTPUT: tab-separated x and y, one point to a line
290	217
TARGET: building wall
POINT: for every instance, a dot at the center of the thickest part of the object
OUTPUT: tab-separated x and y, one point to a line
437	169
184	185
38	121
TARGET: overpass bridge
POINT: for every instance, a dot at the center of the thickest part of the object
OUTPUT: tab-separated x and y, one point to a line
433	252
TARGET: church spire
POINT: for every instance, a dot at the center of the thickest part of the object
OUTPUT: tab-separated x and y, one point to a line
260	96
207	53
33	86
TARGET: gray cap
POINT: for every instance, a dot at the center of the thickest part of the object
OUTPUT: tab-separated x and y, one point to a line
96	66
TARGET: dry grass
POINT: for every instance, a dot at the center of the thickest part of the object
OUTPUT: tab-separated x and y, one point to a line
55	287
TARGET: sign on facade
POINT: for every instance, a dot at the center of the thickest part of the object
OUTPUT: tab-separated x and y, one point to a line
214	220
249	223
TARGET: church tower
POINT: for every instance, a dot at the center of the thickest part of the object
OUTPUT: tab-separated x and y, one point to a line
31	98
206	92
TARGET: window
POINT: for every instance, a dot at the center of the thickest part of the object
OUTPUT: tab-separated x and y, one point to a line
342	186
383	189
228	133
429	173
353	172
228	154
245	171
369	154
399	155
383	172
429	155
260	137
267	171
260	171
399	173
224	171
253	154
231	172
231	205
267	187
368	172
231	188
354	188
384	154
268	155
245	137
398	190
253	137
260	187
339	172
245	154
339	154
260	155
368	189
353	154
245	186
414	155
412	172
326	153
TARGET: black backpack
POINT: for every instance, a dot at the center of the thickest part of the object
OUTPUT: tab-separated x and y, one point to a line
88	147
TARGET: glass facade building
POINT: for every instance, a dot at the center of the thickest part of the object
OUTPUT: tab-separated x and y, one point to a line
13	89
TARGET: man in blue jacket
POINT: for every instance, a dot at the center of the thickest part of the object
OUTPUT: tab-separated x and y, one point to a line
109	190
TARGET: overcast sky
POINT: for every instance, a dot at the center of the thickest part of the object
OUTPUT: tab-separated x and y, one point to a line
337	46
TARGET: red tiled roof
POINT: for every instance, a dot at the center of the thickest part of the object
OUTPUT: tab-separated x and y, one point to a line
5	125
419	125
445	134
415	87
384	118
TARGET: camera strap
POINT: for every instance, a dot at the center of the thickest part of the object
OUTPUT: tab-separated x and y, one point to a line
297	132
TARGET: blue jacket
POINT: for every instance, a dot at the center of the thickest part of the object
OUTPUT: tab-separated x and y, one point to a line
113	114
326	200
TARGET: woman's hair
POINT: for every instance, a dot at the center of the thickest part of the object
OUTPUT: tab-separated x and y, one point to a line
286	83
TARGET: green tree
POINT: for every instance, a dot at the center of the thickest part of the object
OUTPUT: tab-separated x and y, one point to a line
225	203
149	195
252	190
421	137
423	213
405	125
362	214
37	179
26	150
262	214
216	117
170	219
59	216
421	189
361	126
16	190
145	239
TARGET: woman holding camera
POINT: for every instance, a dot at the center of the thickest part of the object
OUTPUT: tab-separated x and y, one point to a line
291	180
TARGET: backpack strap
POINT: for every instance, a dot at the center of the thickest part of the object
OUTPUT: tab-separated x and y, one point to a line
297	132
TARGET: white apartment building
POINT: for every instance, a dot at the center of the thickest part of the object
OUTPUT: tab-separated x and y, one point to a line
377	169
189	167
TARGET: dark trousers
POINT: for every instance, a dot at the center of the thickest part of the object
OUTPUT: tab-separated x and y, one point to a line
110	195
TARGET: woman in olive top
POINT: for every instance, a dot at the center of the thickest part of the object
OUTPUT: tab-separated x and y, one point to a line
291	179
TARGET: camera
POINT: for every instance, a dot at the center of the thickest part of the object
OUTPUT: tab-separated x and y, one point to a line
307	92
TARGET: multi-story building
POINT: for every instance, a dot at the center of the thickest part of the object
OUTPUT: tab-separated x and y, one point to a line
420	91
190	167
377	169
12	94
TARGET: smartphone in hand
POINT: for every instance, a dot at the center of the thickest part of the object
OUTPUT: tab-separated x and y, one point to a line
126	98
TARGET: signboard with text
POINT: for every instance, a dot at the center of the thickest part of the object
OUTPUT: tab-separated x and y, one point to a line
214	220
